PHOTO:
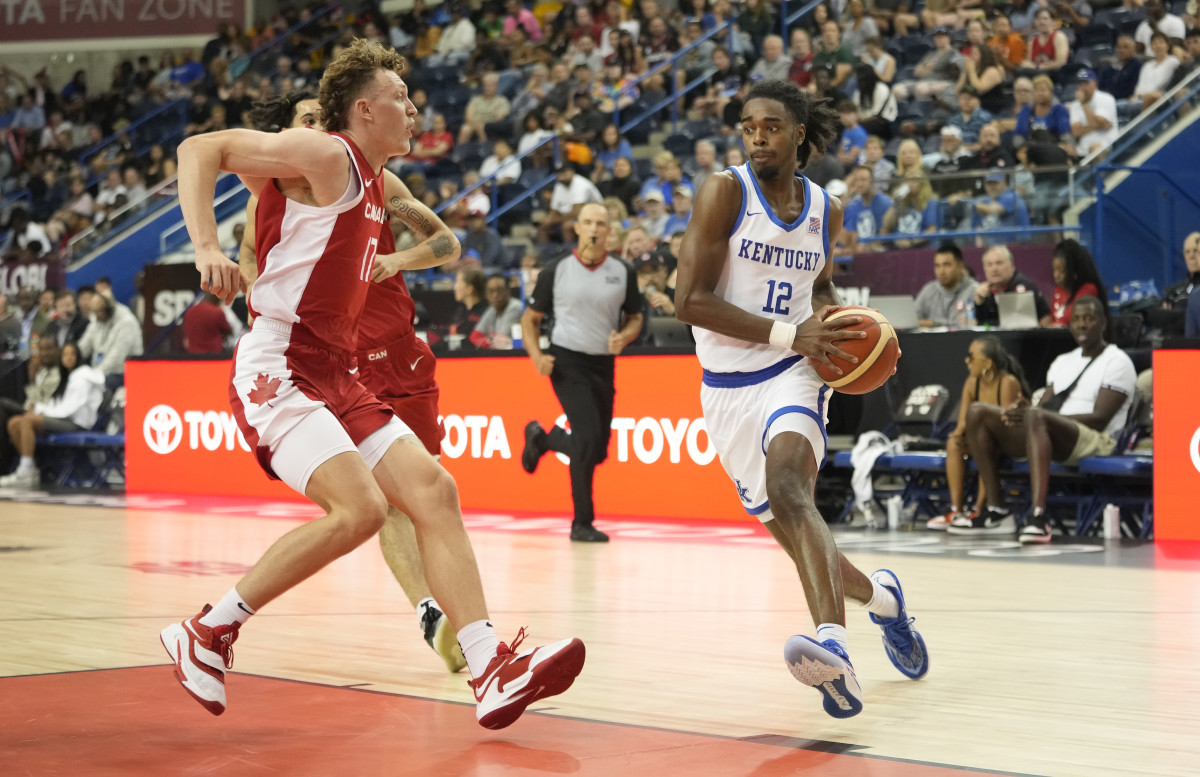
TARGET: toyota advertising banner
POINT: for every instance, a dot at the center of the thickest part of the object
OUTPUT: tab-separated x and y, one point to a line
181	437
1176	445
38	20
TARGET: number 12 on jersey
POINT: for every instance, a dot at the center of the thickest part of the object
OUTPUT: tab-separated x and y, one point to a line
778	295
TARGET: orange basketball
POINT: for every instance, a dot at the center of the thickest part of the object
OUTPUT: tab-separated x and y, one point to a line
877	353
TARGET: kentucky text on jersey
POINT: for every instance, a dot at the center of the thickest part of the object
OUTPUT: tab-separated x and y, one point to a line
780	257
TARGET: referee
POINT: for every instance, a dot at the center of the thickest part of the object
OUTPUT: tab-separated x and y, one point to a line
586	294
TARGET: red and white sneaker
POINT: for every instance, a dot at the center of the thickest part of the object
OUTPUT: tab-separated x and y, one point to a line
201	655
514	680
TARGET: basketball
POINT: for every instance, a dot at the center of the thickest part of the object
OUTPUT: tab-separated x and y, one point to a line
877	353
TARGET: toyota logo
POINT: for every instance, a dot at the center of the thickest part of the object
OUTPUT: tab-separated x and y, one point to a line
163	429
1194	449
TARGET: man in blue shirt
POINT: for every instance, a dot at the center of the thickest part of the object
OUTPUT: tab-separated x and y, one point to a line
970	119
1000	207
864	213
1119	78
854	136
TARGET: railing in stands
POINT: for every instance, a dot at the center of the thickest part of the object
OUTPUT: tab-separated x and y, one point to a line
175	236
120	222
786	21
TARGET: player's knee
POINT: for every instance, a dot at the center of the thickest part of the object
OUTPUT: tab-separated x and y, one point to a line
361	518
790	499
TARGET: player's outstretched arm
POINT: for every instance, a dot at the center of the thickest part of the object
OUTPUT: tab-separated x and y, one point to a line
315	156
437	245
702	261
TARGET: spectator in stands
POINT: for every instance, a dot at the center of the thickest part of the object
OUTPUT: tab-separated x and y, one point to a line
570	194
587	121
1191	327
822	86
1049	49
681	211
112	336
484	239
434	143
1075	276
756	20
876	107
970	117
457	40
484	109
535	132
1158	20
999	207
637	242
1080	414
618	216
944	300
658	41
29	116
854	136
495	327
584	52
655	220
135	186
985	75
774	65
653	272
10	330
945	13
1093	114
894	16
34	320
1021	14
502	162
470	294
832	54
71	408
914	210
205	326
517	14
621	184
668	177
628	54
1156	72
993	374
1172	318
616	90
883	63
1119	77
723	86
864	213
702	163
1022	98
1191	58
45	376
1072	15
991	155
159	167
801	52
1044	113
882	168
22	232
936	72
1008	46
857	28
68	325
1000	277
950	157
908	163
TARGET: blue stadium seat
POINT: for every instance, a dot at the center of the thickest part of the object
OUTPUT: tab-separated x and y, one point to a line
1095	35
680	145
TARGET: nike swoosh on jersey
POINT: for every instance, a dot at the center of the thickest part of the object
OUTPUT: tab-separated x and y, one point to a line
759	213
414	364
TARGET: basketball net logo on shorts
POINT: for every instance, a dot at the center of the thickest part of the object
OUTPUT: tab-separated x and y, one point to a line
208	429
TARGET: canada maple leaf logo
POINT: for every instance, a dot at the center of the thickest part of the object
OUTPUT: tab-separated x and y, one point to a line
265	389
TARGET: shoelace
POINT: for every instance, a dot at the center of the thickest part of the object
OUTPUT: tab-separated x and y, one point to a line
899	634
501	650
517	640
224	637
428	621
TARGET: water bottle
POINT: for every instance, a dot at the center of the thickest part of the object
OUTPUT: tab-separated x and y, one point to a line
895	505
969	314
1112	522
960	314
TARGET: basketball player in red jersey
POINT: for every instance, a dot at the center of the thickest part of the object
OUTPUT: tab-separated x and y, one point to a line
394	364
296	395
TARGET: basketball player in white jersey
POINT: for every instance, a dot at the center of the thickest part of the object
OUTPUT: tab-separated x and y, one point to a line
756	282
394	316
295	393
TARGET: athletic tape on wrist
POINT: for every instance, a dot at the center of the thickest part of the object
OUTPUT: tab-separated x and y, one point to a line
783	334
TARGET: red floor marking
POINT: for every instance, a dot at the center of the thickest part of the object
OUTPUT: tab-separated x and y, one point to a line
131	722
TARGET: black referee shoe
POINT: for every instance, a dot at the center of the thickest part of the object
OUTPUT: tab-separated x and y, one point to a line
535	437
587	533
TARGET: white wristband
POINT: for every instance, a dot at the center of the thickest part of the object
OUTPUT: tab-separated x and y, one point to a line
783	334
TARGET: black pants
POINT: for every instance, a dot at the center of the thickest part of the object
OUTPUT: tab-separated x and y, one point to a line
584	386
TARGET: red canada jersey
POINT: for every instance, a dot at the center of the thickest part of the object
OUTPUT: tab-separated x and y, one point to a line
314	263
390	310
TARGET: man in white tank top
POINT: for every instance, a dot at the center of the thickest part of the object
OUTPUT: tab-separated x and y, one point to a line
756	282
296	395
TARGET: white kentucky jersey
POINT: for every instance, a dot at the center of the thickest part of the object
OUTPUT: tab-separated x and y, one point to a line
770	271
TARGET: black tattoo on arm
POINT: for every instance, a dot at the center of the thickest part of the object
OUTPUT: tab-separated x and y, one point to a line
441	246
412	218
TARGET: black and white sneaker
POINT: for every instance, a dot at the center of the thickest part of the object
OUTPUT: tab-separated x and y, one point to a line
1035	532
988	522
440	636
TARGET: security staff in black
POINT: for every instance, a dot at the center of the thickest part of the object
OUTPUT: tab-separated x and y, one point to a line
594	305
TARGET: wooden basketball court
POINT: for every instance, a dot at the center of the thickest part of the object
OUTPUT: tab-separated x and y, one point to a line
1076	659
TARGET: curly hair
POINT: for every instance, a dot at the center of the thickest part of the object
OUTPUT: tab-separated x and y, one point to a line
348	76
822	125
275	113
1080	269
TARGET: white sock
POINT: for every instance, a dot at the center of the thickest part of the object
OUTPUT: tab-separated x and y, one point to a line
998	510
230	610
834	631
479	644
883	602
26	465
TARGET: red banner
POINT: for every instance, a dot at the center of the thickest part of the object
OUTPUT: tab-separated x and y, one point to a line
30	20
181	437
1176	445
